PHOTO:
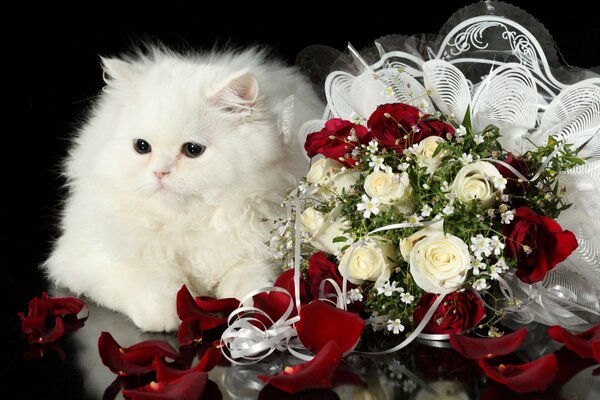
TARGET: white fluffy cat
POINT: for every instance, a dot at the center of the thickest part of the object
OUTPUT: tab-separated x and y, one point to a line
170	180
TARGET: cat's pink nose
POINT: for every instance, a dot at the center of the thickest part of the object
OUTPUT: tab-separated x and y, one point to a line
161	174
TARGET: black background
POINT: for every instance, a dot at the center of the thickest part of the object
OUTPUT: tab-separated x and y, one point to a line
50	74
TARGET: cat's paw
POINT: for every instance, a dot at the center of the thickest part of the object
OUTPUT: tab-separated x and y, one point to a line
155	315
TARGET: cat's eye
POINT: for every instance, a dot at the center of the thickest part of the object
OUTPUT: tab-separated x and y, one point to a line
141	146
192	150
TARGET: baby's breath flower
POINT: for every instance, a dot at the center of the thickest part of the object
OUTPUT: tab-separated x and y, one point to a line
395	326
478	139
460	131
407	298
497	245
445	187
376	163
388	289
499	182
414	219
477	265
403	166
481	245
481	284
373	145
507	217
354	295
448	210
494	332
465	159
426	210
369	206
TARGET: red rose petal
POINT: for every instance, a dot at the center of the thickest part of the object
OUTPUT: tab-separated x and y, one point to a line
135	360
580	343
167	373
186	305
274	304
569	364
212	305
286	281
477	348
62	306
529	377
316	373
320	323
188	387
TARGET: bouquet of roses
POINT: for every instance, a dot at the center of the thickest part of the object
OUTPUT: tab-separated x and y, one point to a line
412	218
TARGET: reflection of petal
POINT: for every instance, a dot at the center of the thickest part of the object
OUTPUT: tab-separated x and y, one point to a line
569	364
166	372
320	323
476	348
529	377
316	373
580	343
188	387
448	86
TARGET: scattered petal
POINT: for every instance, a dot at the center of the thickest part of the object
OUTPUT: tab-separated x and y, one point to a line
314	374
477	348
529	377
580	343
321	322
135	360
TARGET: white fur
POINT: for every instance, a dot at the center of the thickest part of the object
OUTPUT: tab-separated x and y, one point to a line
129	242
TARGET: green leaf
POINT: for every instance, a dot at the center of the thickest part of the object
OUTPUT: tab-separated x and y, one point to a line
467	119
339	239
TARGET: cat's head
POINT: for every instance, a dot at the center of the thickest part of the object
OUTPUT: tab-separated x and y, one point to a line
171	127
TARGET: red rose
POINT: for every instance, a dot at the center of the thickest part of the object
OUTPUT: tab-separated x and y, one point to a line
319	269
332	141
538	243
398	126
458	312
520	165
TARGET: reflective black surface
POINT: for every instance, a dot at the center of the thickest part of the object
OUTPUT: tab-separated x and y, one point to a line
50	74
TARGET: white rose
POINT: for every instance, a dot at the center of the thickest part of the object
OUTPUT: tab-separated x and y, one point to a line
390	189
406	244
343	181
439	262
322	170
424	153
367	261
443	390
322	229
474	181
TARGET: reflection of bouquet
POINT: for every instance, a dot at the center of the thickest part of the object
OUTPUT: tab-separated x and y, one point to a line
410	204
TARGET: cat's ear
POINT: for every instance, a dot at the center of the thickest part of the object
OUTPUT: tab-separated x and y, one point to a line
117	72
238	96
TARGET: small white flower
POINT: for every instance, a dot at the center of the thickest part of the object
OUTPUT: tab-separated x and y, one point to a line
499	182
423	105
355	152
395	326
426	186
527	249
415	129
369	206
505	198
376	163
497	245
414	219
388	289
481	245
495	271
460	131
408	386
354	295
494	332
404	166
481	284
507	217
449	209
445	187
426	210
478	139
465	159
407	298
477	265
501	264
373	145
388	170
352	137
